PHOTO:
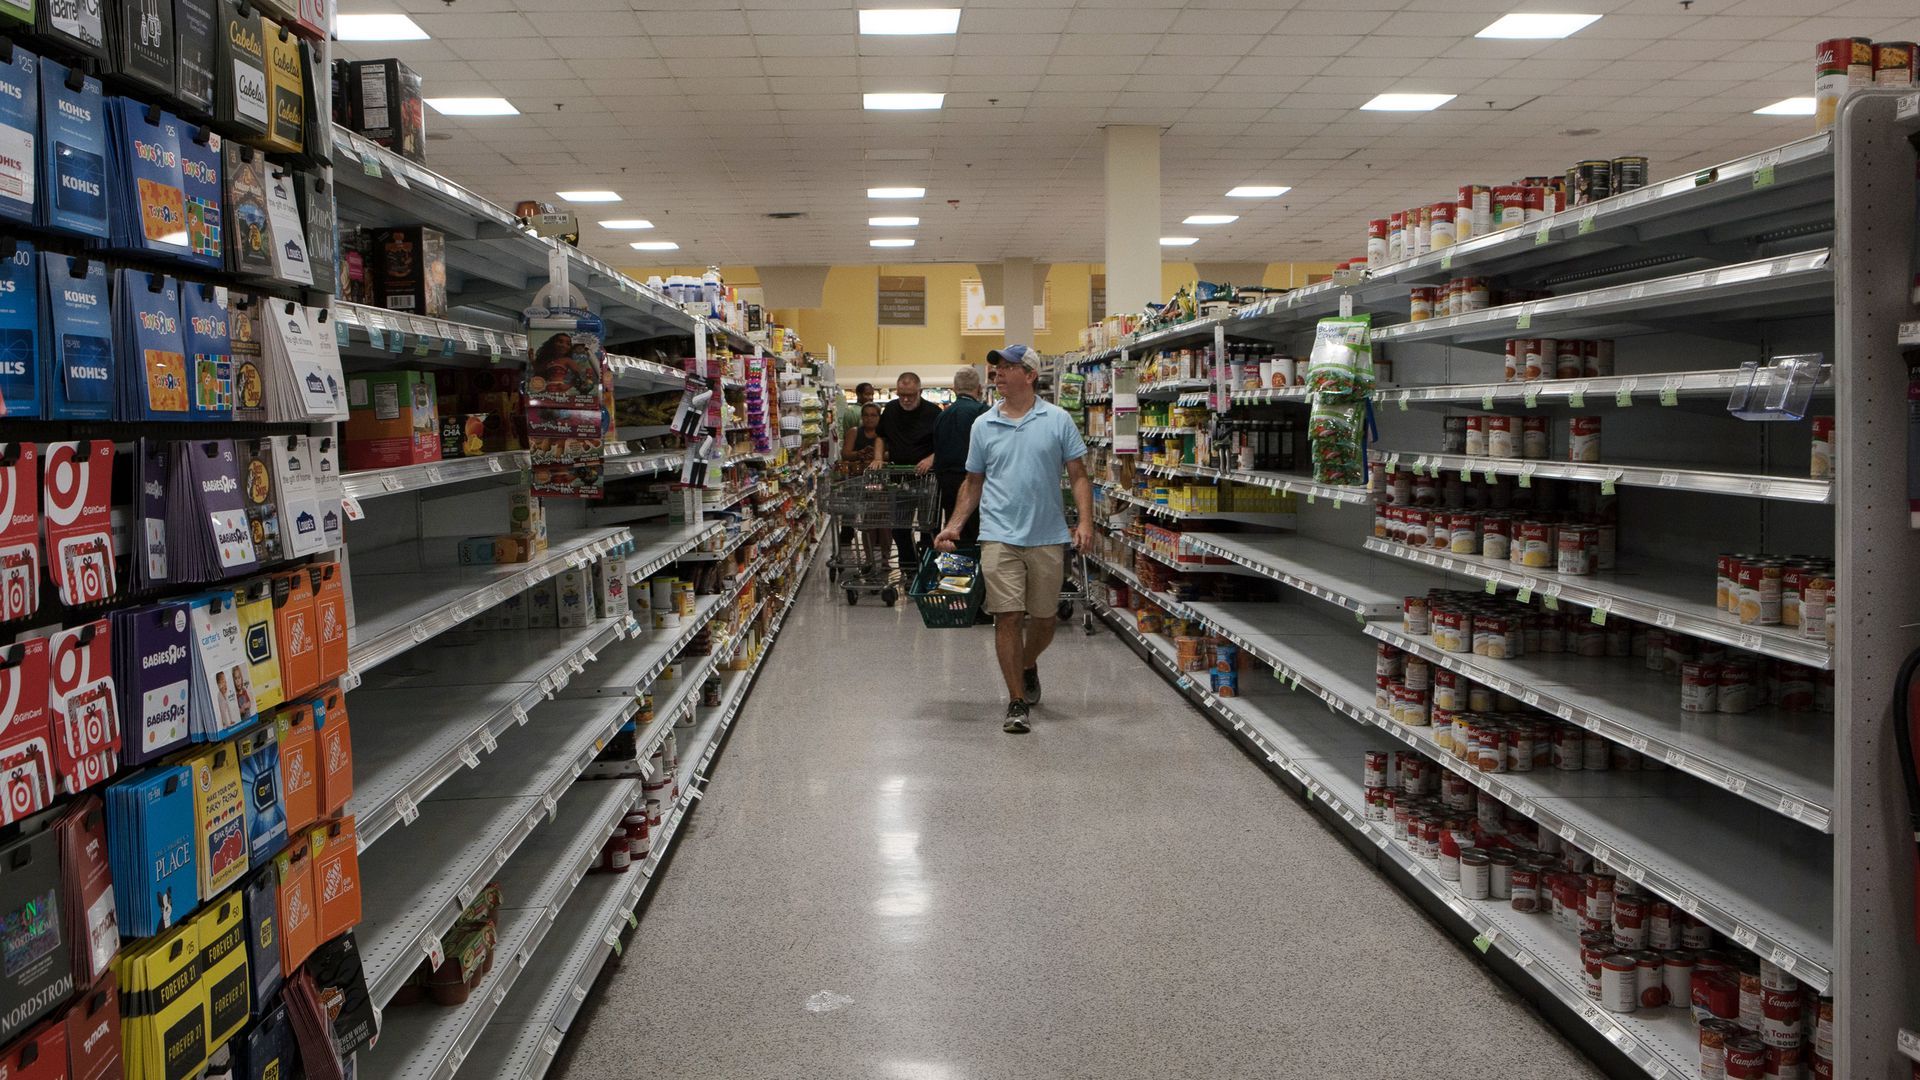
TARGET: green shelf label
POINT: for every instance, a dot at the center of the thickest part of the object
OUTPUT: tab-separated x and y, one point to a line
1577	399
1763	176
1669	396
1623	398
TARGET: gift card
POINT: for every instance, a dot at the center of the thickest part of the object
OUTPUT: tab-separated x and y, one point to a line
262	646
89	887
209	349
73	129
20	334
19	530
155	699
266	816
26	753
93	1032
220	665
76	484
19	131
83	707
219	809
79	367
152	304
203	194
195	26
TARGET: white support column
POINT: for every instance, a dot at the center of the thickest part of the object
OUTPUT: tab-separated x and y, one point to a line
1019	293
1133	217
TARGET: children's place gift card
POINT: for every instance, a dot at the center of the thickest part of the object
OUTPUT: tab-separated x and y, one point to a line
219	815
156	351
93	923
79	367
204	322
260	496
19	530
196	26
19	135
26	753
154	665
249	229
141	44
73	151
266	816
222	692
155	875
20	334
205	196
84	707
38	973
261	645
75	489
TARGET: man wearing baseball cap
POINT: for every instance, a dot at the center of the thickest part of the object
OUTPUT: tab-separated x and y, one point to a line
1018	450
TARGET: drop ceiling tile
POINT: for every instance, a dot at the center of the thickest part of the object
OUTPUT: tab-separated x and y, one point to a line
805	45
714	67
702	21
924	72
1308	45
491	49
1110	44
965	64
838	20
735	45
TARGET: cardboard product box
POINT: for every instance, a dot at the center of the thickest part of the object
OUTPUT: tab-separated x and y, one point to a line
573	597
410	270
384	104
610	587
543	610
393	418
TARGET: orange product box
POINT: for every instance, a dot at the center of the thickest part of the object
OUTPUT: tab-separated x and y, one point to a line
299	915
336	752
294	627
393	418
330	617
336	876
299	765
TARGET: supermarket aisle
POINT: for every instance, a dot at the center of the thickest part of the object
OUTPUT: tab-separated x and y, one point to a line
1119	894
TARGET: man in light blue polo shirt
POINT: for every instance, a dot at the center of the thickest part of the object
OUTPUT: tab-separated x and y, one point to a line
1014	461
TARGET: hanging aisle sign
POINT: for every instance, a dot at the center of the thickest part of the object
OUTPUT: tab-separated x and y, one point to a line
902	301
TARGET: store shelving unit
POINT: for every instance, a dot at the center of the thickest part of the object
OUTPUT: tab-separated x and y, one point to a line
504	466
1783	831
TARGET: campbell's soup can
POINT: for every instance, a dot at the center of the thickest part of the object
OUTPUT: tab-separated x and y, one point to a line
1793	688
1536	357
1596	358
1446	691
1713	1047
1473	212
1492	636
1746	1058
1374	768
1793	585
1509	206
1780	1018
1661	931
1568	361
1514	367
1536	199
1727	594
1816	605
1834	63
1736	687
1377	241
1822	461
1453	630
1499	436
1676	976
1414	616
1533	437
1575	550
1440	233
1464	532
1630	921
1474	435
1420	307
1495	536
1534	539
1894	63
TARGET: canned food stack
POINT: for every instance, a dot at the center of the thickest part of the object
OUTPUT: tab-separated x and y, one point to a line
1778	590
1528	359
1258	367
1843	65
1213	656
1637	951
1462	295
1501	521
1590	181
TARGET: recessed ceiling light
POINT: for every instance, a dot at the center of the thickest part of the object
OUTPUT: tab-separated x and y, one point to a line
1210	219
589	196
473	106
896	192
892	222
892	242
1529	24
1179	241
902	102
654	245
1257	191
627	223
899	21
1407	102
1793	106
377	28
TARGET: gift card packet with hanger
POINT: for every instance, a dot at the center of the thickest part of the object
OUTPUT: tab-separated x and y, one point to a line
82	379
93	924
155	670
19	131
154	350
223	692
38	974
19	530
75	488
150	819
73	152
83	707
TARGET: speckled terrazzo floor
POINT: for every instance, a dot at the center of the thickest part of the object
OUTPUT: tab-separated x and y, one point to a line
1121	893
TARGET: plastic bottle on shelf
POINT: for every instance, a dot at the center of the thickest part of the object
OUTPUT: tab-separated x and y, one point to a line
710	290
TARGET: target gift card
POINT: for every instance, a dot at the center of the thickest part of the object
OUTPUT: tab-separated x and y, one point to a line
26	758
77	481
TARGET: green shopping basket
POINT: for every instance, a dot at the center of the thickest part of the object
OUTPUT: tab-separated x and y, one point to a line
947	610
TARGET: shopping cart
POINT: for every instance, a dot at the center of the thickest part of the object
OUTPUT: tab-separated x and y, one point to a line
894	497
1077	583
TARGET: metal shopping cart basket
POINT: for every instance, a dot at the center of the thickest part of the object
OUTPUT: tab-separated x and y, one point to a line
1078	582
894	497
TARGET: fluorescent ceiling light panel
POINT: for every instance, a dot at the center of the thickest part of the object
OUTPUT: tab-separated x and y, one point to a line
901	102
654	245
627	223
1793	106
903	21
1211	219
896	192
589	196
1257	191
377	28
892	242
1179	241
1528	24
1407	102
472	106
893	222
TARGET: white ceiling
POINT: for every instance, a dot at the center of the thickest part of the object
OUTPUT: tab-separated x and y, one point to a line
708	114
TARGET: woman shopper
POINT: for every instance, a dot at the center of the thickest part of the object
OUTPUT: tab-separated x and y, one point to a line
856	453
1018	450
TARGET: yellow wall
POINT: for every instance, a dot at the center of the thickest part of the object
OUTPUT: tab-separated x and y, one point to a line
847	320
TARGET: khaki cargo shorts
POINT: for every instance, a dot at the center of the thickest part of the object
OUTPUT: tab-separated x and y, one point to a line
1023	578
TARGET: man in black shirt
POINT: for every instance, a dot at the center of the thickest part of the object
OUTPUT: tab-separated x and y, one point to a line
906	438
951	437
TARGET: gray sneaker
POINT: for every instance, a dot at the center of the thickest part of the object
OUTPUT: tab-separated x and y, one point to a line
1030	685
1016	718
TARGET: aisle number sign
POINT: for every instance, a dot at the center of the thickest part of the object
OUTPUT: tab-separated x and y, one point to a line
902	301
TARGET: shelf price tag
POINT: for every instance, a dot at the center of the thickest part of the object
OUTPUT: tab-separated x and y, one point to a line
1623	397
1578	398
1763	176
430	944
420	346
1524	322
1526	475
1485	941
1599	613
376	337
468	758
1607	484
1541	237
370	164
1492	586
409	810
488	741
1403	403
1532	396
351	506
1670	393
342	336
1486	401
1525	595
1446	261
1586	220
